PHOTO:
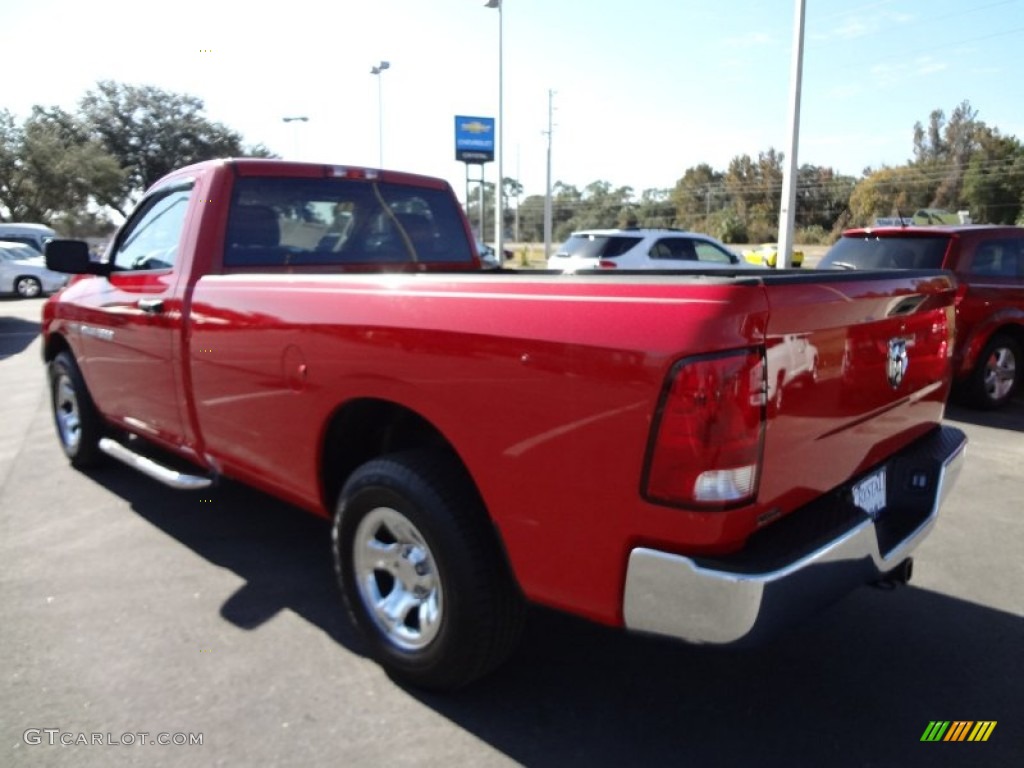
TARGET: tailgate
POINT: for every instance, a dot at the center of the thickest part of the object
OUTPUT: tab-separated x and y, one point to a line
857	367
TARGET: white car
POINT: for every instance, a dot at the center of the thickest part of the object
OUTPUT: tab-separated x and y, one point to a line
642	249
23	272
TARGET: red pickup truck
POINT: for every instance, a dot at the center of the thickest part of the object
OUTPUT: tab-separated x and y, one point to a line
988	261
601	443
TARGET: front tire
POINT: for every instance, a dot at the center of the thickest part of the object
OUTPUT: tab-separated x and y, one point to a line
421	571
997	373
78	423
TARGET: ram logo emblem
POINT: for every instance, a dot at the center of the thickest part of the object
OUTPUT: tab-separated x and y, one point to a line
897	362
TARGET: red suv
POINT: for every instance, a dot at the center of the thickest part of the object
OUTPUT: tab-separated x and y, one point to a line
989	264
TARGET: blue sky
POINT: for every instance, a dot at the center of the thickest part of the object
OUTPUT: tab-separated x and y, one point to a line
644	89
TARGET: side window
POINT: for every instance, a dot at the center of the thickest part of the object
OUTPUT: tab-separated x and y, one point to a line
999	258
660	250
675	248
151	240
616	246
711	252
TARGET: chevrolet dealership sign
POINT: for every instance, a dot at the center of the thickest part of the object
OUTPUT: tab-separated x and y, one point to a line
474	139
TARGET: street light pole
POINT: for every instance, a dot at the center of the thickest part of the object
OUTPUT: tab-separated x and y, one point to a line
295	131
377	70
499	190
547	194
787	209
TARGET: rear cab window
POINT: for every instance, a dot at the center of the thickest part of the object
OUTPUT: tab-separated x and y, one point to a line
341	224
874	251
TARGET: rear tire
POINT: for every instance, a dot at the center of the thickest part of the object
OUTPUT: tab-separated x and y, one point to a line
997	373
421	571
28	287
79	426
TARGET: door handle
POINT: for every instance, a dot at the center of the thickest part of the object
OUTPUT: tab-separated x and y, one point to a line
151	306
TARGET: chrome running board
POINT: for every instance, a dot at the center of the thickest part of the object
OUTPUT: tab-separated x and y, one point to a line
150	468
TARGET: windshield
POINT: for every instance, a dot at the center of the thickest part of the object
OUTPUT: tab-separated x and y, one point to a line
597	246
875	251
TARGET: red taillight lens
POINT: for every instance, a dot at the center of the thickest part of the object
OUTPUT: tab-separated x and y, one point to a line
605	264
706	443
961	294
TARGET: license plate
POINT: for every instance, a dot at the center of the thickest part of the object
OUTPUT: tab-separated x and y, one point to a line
869	493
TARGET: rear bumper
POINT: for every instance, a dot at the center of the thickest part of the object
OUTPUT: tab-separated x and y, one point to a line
810	558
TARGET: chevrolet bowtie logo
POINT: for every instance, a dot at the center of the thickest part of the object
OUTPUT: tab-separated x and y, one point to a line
476	127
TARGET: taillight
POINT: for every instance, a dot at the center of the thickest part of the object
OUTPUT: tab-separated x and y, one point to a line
345	172
705	448
605	264
961	294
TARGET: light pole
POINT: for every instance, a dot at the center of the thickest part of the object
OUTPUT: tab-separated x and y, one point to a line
499	189
377	70
547	194
787	208
295	129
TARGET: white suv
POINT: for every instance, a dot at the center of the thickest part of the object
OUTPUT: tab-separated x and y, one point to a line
642	249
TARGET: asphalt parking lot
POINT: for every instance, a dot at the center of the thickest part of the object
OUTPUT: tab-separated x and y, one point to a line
127	608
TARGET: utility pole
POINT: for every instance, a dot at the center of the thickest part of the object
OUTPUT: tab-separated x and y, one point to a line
787	209
295	133
547	196
518	186
499	187
378	71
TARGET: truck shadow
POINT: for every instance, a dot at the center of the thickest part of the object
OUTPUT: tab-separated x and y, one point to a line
856	685
16	335
281	552
1010	416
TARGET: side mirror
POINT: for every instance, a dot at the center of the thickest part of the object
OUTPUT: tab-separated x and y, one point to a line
72	257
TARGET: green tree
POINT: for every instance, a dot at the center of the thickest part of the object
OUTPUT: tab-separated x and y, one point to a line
888	191
52	171
531	219
754	190
822	196
696	195
994	181
566	201
151	132
655	208
511	189
943	152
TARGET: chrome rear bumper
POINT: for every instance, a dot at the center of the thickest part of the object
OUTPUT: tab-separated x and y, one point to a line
798	564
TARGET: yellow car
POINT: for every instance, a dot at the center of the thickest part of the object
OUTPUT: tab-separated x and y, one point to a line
767	255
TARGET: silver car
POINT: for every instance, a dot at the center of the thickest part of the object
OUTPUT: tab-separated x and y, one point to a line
23	272
642	249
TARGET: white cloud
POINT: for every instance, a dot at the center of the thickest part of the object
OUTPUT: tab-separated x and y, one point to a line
928	65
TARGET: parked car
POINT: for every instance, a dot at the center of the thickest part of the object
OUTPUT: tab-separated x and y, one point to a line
641	249
487	256
989	264
23	272
767	255
33	235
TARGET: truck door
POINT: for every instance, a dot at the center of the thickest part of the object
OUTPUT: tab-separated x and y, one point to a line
134	331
